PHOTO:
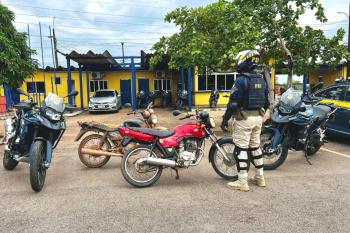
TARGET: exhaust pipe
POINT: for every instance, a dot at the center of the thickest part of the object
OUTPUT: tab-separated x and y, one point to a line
100	152
162	162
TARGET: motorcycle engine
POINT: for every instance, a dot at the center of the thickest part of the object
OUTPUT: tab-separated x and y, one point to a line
187	152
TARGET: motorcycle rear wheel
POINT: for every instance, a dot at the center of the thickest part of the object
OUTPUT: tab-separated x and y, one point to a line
37	168
8	162
279	158
89	160
129	167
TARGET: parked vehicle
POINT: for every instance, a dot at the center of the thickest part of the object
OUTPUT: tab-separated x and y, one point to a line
142	99
295	125
105	141
32	135
182	147
338	95
181	99
152	96
105	100
165	100
213	99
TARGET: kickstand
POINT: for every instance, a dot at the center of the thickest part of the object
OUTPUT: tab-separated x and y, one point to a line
177	173
307	158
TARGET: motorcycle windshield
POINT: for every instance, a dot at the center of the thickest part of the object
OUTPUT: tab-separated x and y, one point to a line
55	102
291	98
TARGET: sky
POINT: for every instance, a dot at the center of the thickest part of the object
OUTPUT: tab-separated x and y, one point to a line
100	25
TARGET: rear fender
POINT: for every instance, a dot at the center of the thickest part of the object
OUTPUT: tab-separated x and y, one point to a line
81	133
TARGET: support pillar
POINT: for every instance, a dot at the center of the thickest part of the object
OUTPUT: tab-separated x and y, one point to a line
69	81
81	88
182	78
133	85
304	85
189	88
87	87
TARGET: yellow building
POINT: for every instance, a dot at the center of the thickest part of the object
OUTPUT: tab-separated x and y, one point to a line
327	76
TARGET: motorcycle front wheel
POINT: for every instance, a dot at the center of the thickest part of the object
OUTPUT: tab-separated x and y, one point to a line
93	141
274	160
138	173
8	162
225	169
37	168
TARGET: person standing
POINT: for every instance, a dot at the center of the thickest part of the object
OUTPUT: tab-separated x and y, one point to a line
248	103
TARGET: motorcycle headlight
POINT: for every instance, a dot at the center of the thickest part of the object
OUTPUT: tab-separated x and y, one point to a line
211	122
154	119
52	115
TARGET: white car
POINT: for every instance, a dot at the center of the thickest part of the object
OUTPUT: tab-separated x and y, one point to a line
105	101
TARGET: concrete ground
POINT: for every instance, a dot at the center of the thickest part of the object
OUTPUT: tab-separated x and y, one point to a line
298	197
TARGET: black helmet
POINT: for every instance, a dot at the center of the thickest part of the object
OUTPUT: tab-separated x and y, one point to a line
247	60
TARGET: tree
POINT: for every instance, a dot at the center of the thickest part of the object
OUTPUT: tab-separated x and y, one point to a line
212	35
15	56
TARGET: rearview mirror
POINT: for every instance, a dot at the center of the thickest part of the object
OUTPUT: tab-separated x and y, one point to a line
317	87
176	113
73	93
21	92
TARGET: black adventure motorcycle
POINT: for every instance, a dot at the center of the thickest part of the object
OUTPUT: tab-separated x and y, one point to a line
33	133
213	99
296	123
181	99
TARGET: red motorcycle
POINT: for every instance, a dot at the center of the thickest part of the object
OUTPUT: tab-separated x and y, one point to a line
181	147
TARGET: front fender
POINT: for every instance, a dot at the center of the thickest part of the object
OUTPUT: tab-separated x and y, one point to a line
48	149
277	136
219	142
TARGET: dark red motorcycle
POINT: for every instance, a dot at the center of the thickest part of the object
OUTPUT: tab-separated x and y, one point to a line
181	147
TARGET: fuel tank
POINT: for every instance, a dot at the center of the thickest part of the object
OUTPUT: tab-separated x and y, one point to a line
188	130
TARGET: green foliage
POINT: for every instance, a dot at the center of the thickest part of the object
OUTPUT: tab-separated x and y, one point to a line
213	35
15	56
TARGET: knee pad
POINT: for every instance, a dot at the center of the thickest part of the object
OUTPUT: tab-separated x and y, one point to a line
256	157
242	159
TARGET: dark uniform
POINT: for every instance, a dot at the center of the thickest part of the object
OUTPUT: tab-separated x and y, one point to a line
247	104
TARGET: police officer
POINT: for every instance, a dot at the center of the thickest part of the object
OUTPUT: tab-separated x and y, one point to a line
247	104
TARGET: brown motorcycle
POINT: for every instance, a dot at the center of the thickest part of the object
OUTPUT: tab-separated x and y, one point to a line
96	149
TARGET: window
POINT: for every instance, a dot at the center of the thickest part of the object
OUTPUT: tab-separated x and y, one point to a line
230	79
96	85
220	81
202	82
162	84
57	80
39	86
333	93
347	94
104	94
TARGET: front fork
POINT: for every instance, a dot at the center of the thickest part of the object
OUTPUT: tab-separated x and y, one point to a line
214	140
48	143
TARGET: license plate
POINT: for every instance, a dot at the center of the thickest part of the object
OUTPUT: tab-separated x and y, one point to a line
100	106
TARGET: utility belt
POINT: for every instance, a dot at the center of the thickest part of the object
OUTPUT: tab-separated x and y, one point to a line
243	114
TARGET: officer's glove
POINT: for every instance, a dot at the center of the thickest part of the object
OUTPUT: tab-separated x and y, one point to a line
224	125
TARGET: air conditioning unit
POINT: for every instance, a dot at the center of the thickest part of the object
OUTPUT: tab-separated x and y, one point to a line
160	74
97	75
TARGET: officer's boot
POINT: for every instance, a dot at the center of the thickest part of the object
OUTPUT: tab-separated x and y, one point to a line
240	184
242	164
258	161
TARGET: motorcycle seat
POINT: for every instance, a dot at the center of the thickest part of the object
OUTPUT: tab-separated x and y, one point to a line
154	132
24	105
321	111
103	127
133	123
